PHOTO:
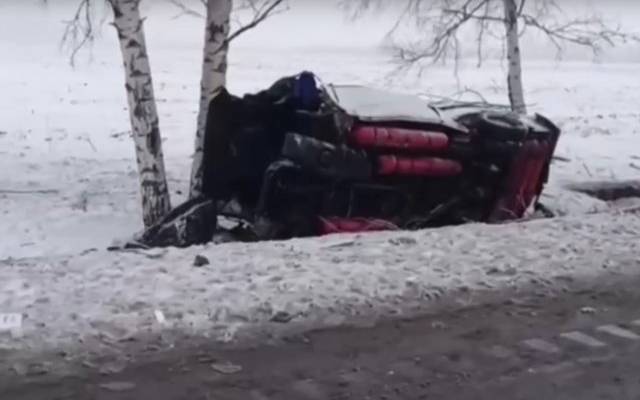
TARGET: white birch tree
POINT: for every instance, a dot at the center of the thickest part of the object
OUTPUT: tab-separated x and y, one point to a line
143	114
214	77
142	110
438	25
218	35
514	59
139	85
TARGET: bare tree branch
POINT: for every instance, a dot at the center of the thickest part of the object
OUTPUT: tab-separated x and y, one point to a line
186	10
438	23
445	29
261	13
78	31
483	25
260	10
439	26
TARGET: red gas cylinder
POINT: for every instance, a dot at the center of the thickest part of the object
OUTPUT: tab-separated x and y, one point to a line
352	225
378	137
425	166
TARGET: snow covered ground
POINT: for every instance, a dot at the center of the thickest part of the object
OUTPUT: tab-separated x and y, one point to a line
66	145
67	172
68	186
98	302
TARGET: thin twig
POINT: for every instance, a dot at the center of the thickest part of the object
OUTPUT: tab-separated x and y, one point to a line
79	30
260	16
260	10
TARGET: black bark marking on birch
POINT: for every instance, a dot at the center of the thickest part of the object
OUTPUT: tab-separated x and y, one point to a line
132	43
153	140
150	184
131	62
139	112
214	29
136	73
148	92
141	54
153	169
117	12
222	67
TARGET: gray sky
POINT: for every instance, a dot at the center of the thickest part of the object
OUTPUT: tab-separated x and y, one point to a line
308	24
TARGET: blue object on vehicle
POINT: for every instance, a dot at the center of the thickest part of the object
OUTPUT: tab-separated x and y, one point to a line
306	92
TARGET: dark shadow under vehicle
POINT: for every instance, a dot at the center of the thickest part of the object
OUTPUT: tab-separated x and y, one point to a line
302	160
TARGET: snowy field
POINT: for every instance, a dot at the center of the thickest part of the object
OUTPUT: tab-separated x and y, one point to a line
68	187
67	172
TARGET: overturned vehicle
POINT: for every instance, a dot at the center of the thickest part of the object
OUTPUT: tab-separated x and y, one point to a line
300	159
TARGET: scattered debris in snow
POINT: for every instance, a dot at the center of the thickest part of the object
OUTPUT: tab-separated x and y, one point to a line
226	368
118	386
588	310
282	317
112	368
11	323
439	325
200	261
160	317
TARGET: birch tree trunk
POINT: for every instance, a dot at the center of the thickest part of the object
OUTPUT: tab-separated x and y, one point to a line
514	78
142	110
214	75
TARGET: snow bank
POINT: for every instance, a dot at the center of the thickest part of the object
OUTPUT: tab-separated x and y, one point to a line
77	302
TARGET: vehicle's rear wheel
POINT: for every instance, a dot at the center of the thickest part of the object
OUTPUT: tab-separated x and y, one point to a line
501	126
